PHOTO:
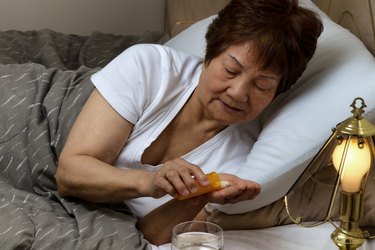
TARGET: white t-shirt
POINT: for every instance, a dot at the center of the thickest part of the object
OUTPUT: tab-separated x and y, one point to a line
148	85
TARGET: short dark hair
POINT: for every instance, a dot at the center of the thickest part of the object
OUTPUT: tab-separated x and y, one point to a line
282	33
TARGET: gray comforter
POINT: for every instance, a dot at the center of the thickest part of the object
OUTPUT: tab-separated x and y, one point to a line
44	81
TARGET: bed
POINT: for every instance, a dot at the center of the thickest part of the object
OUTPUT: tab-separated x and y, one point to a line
44	81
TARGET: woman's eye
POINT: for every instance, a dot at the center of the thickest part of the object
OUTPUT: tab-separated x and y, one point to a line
230	72
262	86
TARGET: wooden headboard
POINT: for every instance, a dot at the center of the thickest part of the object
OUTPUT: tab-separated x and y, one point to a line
180	14
355	15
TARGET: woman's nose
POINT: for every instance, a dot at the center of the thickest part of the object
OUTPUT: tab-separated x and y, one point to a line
238	91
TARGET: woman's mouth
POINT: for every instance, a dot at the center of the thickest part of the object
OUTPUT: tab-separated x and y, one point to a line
229	108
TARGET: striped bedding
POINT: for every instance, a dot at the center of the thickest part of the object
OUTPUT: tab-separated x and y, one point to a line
44	81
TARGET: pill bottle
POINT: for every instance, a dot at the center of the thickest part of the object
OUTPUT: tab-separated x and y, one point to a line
214	184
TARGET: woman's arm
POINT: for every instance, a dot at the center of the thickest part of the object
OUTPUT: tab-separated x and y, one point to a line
85	165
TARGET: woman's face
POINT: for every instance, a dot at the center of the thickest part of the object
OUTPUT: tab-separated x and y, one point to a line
233	88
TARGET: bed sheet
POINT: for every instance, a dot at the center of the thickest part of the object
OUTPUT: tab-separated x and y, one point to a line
287	237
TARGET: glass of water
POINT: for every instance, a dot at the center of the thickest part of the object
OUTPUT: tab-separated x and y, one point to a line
197	235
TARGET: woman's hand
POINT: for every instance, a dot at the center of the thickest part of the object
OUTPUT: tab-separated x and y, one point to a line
157	225
238	190
177	177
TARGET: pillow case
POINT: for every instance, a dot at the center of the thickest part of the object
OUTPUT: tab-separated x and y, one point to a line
299	121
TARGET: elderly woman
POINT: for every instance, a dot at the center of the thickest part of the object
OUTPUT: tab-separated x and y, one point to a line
159	119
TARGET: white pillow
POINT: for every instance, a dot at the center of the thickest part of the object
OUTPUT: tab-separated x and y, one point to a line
298	123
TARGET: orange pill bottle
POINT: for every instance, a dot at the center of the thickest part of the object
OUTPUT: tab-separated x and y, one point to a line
214	184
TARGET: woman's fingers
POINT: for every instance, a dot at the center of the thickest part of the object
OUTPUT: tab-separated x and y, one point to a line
178	177
161	185
239	190
241	195
181	181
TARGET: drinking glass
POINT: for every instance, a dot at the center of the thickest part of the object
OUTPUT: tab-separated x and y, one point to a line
197	235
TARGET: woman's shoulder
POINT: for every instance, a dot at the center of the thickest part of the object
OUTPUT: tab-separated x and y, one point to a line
161	54
164	60
156	48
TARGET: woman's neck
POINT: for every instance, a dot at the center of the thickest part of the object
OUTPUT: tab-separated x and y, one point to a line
194	115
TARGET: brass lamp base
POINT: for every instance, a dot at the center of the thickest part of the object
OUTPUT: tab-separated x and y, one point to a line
349	236
347	242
